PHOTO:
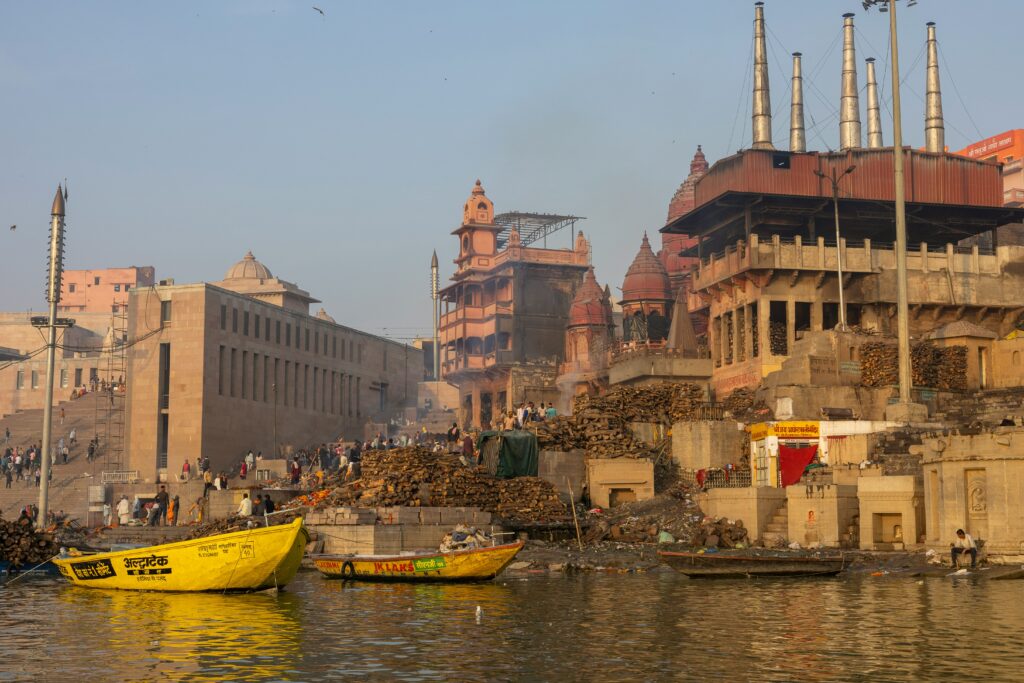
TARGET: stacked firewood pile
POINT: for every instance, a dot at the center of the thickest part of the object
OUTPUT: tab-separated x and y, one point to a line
931	366
416	477
22	545
233	523
742	404
720	533
600	424
777	338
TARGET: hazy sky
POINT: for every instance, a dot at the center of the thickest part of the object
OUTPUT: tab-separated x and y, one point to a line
340	148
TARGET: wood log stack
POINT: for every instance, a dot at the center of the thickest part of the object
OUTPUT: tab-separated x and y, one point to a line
416	476
22	545
777	339
600	424
943	368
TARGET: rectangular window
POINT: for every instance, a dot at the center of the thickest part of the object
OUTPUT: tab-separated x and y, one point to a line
234	320
256	326
245	374
359	407
360	353
316	343
71	287
334	389
295	385
78	377
305	386
165	311
288	334
223	317
19	380
334	347
245	324
95	280
255	376
231	375
266	331
277	375
315	383
63	378
307	339
117	288
35	379
221	374
351	348
277	331
323	393
266	375
287	372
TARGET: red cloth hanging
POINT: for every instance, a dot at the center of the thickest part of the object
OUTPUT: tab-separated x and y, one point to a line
793	462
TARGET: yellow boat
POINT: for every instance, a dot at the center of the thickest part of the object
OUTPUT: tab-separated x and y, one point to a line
250	560
480	564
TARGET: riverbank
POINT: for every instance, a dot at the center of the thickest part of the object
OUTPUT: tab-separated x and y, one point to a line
628	558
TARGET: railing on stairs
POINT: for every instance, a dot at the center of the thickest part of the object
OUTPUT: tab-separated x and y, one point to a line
120	477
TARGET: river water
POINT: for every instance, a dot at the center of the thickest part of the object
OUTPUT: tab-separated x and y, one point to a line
592	627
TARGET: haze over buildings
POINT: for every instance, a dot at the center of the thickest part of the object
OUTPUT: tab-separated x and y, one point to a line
267	126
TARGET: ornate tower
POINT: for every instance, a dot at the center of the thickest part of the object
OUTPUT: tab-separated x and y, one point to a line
588	336
478	234
646	298
683	201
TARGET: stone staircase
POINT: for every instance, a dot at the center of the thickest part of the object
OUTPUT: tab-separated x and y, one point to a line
69	485
985	407
776	532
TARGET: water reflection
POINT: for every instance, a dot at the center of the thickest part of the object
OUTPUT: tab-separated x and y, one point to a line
591	627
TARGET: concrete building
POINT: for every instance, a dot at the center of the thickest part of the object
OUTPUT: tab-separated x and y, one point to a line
503	319
101	291
217	369
1006	149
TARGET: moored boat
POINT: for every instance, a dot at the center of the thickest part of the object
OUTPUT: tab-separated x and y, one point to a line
253	559
476	564
725	565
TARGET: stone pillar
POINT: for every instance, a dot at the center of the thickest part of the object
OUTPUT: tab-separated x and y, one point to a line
748	333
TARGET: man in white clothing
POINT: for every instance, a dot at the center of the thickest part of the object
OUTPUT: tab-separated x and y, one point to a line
245	507
964	545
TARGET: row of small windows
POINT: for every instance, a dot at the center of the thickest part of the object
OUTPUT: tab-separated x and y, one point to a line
19	378
259	377
73	287
261	327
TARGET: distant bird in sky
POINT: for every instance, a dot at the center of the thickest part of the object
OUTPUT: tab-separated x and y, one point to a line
13	228
320	11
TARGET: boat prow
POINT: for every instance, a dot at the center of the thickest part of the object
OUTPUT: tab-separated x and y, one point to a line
253	559
477	564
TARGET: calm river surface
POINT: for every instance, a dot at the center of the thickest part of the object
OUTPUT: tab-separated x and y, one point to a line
646	627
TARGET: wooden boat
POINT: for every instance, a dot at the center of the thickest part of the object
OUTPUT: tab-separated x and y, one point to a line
479	564
725	565
250	560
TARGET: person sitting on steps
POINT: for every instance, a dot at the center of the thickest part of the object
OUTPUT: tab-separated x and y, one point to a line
964	545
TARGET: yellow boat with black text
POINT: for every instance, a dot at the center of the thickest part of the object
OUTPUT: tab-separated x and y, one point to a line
477	564
250	560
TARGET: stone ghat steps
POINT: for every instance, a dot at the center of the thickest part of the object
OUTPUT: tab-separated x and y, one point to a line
86	415
72	496
777	529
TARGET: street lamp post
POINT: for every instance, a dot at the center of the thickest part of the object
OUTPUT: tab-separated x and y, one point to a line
53	290
834	180
902	308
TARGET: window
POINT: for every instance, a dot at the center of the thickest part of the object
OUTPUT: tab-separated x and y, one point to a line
277	331
71	287
117	288
266	331
223	317
245	324
334	347
63	378
307	339
288	334
231	373
221	374
316	343
256	326
19	380
35	379
165	311
234	320
95	280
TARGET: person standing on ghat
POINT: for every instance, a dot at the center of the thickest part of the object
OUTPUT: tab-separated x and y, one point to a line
163	499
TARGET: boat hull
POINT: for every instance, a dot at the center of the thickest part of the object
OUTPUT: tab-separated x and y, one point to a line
481	564
250	560
714	565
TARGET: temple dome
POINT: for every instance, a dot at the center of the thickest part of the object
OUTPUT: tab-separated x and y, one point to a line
588	306
248	268
684	200
646	279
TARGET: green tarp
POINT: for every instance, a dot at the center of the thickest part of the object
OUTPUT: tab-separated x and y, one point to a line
517	453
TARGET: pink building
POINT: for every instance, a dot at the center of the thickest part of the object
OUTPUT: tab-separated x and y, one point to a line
100	291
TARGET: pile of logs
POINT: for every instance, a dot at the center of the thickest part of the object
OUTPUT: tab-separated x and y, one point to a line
22	545
720	533
777	339
415	477
943	368
600	424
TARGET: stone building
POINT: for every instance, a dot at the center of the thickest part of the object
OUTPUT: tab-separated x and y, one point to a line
672	244
646	298
217	369
767	254
101	291
504	316
589	337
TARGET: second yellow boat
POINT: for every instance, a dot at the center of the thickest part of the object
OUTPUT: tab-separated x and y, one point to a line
478	564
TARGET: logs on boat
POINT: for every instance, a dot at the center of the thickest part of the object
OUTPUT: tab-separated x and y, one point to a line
22	545
721	533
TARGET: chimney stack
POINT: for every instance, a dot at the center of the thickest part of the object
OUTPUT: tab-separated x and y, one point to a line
934	129
762	118
849	104
874	115
797	138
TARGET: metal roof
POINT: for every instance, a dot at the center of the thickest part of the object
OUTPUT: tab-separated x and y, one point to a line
531	226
